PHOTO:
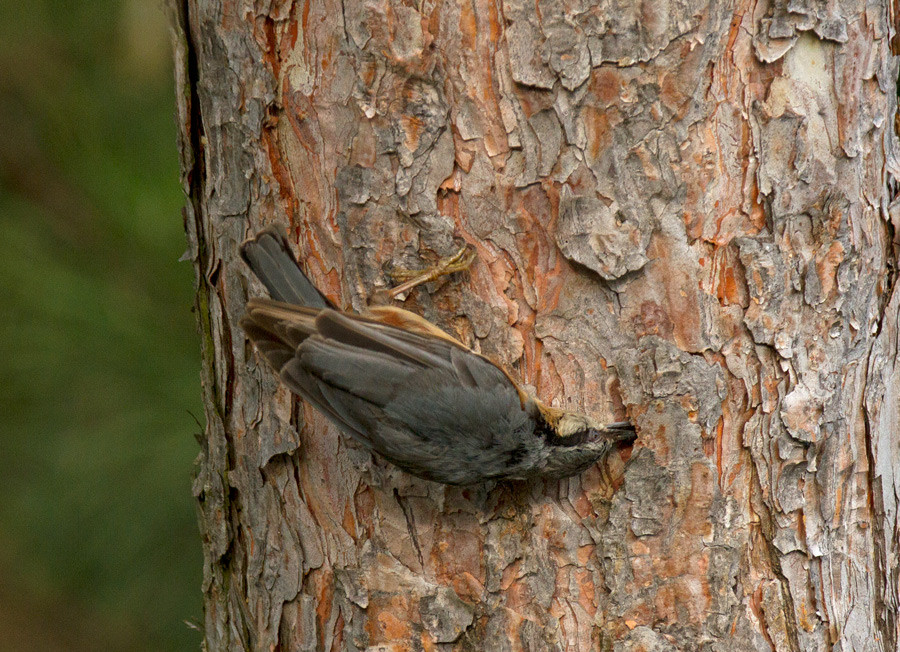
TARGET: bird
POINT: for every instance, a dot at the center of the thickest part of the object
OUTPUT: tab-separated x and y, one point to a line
407	390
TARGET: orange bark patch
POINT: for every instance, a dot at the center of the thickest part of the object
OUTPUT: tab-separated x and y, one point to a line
349	522
510	574
519	596
597	128
365	507
606	85
363	149
731	285
392	628
389	622
642	571
827	267
457	553
584	553
323	587
468	26
703	487
427	642
652	320
685	600
468	587
674	86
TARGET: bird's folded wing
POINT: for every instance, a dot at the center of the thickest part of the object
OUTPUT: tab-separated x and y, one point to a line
410	322
445	422
372	336
368	376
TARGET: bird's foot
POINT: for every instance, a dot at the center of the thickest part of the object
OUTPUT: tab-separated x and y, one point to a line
411	278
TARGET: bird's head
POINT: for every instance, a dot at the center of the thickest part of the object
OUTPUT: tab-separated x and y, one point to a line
575	441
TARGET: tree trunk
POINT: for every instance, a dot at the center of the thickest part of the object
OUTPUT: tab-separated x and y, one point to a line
683	210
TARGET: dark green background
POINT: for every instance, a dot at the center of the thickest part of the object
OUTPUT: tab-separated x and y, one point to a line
99	371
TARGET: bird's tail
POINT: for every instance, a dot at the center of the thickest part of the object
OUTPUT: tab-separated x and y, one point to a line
271	260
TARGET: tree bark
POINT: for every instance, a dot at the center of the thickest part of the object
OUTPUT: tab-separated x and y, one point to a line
684	210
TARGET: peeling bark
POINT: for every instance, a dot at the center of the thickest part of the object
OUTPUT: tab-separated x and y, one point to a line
683	210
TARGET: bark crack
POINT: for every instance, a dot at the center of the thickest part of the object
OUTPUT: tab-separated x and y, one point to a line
772	556
410	524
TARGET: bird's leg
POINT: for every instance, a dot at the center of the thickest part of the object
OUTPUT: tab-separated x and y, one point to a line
458	262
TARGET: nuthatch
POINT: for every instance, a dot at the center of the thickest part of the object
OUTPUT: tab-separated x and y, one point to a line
407	390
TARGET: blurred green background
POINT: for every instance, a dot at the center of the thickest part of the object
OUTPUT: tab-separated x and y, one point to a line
99	548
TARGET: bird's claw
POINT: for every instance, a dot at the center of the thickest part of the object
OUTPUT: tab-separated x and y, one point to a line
458	262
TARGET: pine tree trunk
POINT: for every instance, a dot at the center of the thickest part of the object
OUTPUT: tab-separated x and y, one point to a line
683	210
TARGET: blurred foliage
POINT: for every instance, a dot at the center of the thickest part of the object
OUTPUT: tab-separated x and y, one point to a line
99	547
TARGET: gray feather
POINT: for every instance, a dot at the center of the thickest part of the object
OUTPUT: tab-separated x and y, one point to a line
352	369
392	341
302	384
271	260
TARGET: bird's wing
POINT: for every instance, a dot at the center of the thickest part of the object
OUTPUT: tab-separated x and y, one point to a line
409	321
411	396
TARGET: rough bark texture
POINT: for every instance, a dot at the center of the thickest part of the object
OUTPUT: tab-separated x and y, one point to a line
682	208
